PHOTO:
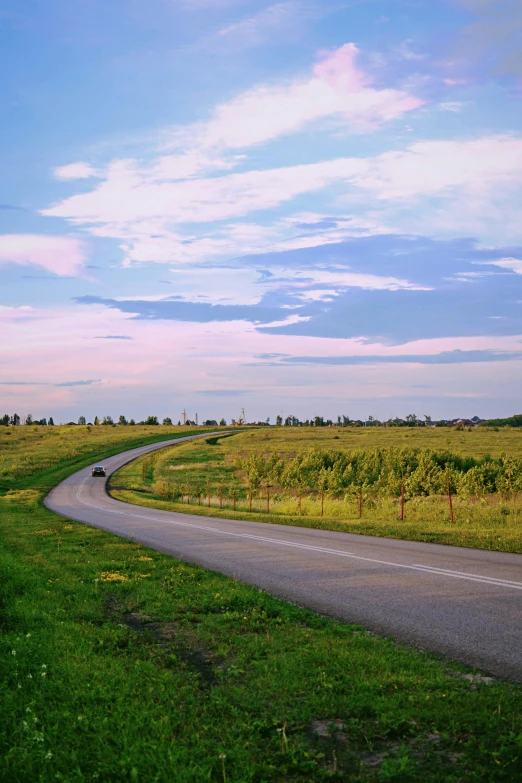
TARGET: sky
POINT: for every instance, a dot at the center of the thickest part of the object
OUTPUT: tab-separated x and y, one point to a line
304	207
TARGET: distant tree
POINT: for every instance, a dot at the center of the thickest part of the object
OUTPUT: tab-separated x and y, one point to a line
412	420
267	422
50	422
279	421
346	421
318	421
15	420
4	421
427	419
167	422
151	420
222	423
29	419
210	423
82	421
339	421
107	421
132	423
96	421
512	421
122	420
179	424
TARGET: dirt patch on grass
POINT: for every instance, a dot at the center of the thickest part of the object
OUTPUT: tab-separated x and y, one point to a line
170	638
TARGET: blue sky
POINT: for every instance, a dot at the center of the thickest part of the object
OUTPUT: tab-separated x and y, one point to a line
294	206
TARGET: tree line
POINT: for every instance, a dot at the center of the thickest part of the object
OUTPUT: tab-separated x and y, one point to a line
106	421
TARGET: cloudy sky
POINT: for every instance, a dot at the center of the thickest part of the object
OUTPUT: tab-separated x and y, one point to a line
297	207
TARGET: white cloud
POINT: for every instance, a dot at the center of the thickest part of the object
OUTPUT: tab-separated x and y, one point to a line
279	19
338	89
60	255
471	167
76	171
452	106
471	178
514	264
333	281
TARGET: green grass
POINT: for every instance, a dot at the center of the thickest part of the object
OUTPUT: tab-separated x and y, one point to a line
493	523
43	455
118	663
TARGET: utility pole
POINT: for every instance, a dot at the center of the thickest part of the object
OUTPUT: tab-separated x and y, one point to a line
184	414
196	419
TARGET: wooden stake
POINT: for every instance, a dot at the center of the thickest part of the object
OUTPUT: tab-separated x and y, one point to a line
220	497
402	501
322	504
250	500
234	496
360	503
208	498
452	518
267	499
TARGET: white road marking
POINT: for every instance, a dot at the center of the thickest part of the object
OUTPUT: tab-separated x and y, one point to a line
339	553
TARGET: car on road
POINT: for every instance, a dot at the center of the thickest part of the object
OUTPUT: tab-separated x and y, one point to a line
98	470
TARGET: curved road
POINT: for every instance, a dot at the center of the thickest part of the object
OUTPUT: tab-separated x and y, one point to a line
463	603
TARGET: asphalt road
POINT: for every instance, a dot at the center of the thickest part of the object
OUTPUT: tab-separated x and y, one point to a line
463	603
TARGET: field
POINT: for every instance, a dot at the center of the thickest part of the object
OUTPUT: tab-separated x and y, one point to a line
43	453
118	663
213	477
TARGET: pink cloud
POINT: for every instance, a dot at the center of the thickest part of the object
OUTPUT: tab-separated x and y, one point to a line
338	68
50	347
59	255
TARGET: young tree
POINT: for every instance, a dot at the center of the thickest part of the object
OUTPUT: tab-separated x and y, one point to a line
122	420
82	421
132	423
4	421
279	421
96	421
107	421
15	420
29	419
222	423
151	420
51	422
167	422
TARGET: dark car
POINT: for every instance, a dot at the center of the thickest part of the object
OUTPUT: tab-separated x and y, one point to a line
98	470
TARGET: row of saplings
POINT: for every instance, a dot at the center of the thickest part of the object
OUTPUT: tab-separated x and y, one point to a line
402	473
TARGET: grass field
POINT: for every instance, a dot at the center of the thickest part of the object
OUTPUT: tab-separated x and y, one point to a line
118	663
493	523
43	453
